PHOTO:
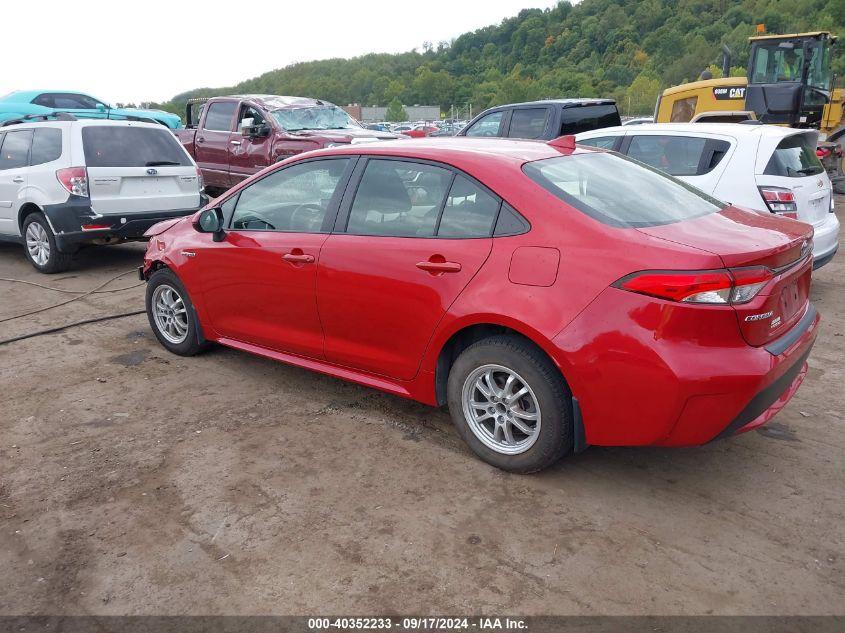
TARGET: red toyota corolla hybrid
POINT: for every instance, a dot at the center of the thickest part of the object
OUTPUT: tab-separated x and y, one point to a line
553	297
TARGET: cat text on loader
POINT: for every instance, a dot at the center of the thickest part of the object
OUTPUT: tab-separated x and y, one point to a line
788	83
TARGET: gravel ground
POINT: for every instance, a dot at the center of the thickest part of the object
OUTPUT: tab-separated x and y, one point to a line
133	481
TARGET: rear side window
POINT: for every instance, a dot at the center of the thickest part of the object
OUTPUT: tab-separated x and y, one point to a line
604	142
586	118
618	191
487	125
15	149
794	157
46	145
220	115
129	146
528	123
469	212
678	155
398	199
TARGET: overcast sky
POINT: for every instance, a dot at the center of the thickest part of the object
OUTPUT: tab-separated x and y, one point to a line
151	50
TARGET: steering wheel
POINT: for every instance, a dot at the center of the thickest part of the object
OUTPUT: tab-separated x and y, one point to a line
309	214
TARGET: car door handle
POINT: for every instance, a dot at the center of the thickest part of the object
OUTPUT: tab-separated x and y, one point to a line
17	179
298	258
235	142
439	267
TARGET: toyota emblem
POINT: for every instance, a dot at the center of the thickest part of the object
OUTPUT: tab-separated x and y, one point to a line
152	172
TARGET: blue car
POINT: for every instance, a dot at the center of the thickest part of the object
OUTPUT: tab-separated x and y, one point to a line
21	103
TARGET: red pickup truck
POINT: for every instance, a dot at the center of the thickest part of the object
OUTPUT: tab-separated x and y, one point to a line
237	136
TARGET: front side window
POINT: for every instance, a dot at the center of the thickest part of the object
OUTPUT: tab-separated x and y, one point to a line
589	117
219	116
398	199
676	155
129	146
777	62
604	142
528	123
250	116
15	149
487	125
618	191
294	199
795	157
46	145
66	101
469	211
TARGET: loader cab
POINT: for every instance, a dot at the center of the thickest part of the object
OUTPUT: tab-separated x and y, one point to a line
789	81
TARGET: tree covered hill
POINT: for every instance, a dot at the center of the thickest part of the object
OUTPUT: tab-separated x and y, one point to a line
625	49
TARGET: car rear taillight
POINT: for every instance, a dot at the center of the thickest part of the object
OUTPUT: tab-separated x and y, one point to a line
726	286
200	181
780	201
74	180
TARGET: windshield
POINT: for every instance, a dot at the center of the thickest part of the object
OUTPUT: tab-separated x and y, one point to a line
314	118
619	191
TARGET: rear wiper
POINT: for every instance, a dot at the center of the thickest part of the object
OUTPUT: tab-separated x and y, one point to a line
808	171
161	163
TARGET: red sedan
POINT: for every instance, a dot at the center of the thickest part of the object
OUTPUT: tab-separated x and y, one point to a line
552	296
421	131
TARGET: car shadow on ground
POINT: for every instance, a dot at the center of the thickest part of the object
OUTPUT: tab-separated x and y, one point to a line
89	259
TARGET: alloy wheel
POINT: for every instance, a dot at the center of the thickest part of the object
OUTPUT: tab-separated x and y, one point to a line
38	243
501	409
170	314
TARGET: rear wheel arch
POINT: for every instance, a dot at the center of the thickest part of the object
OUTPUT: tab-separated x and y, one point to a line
466	336
25	210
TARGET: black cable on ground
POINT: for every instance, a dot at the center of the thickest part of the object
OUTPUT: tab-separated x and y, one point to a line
61	303
69	292
61	328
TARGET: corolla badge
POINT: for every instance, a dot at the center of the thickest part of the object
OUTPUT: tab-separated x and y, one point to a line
152	172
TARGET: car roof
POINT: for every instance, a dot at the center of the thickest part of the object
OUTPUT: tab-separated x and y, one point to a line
280	102
455	150
16	95
566	103
739	130
80	123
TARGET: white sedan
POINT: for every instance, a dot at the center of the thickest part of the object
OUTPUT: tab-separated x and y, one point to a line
767	168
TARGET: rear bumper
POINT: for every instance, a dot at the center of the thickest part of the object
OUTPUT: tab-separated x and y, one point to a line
646	372
68	218
825	241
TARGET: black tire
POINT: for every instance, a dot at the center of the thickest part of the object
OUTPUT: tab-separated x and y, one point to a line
193	342
554	401
57	261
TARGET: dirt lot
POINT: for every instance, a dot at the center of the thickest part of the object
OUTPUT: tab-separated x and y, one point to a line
137	482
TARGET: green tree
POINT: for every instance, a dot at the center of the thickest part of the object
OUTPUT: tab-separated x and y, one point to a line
395	111
641	95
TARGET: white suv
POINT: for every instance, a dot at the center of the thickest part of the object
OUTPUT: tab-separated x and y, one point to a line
767	168
68	182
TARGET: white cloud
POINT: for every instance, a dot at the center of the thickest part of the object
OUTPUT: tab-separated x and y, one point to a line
154	49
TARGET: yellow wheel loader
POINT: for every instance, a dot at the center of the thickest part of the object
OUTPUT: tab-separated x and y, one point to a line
788	83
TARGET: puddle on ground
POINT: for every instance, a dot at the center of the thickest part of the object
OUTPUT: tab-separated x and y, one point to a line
132	358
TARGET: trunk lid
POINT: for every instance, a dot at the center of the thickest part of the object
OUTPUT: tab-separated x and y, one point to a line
138	169
743	239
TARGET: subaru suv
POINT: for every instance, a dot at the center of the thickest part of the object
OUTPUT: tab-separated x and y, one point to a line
66	183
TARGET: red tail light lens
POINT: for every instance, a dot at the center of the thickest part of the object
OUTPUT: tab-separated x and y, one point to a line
730	286
74	180
200	181
780	201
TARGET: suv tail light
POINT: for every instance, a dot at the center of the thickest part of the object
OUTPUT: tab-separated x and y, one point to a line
74	180
727	286
200	181
780	201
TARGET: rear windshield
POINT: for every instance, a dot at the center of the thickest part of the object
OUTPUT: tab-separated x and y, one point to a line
125	146
619	191
585	118
794	157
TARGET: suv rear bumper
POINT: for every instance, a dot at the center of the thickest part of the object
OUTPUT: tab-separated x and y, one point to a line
68	218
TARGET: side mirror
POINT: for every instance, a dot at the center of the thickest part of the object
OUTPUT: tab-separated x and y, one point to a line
246	126
101	107
211	221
